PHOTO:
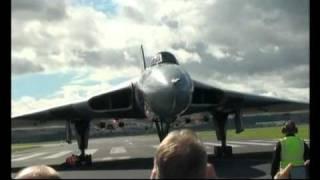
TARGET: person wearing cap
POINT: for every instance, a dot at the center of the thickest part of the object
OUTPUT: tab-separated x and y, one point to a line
289	150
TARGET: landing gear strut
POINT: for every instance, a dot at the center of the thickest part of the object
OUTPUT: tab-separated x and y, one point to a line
162	128
220	121
82	134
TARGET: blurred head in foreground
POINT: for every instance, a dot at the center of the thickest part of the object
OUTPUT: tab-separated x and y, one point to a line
37	172
181	155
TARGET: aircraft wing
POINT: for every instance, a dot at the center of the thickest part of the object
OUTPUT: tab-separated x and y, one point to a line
208	98
116	103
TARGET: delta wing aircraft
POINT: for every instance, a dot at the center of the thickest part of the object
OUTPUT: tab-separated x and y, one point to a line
163	92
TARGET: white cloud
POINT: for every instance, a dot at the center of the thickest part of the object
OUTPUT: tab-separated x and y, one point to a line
246	40
217	52
77	89
269	49
27	53
184	56
69	93
224	53
270	85
107	74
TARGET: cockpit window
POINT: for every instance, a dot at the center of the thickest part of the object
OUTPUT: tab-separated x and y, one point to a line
156	59
163	57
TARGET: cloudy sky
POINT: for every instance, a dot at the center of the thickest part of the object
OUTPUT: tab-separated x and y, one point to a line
64	51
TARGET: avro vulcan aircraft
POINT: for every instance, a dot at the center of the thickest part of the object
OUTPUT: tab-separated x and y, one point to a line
162	93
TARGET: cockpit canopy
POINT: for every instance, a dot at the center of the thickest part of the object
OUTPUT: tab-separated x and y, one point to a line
163	57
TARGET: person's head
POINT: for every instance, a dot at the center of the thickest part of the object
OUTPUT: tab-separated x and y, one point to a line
289	128
37	172
181	154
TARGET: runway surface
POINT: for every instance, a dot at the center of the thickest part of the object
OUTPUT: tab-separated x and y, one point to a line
132	157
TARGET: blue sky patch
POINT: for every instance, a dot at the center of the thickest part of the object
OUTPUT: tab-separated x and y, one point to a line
39	85
105	6
118	80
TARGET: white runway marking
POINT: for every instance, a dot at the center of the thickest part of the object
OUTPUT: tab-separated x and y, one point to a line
155	146
307	140
129	142
251	143
265	141
118	150
123	157
52	145
16	155
29	157
115	158
91	151
219	144
57	155
107	158
274	142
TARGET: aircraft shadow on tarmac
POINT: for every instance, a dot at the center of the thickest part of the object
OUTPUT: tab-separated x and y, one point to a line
239	166
242	165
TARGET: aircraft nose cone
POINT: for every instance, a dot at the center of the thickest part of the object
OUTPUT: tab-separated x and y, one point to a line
168	91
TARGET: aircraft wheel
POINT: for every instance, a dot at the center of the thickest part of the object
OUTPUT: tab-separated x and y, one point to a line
88	159
72	160
217	151
226	152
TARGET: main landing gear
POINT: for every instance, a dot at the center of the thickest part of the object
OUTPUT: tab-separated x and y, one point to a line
82	134
220	121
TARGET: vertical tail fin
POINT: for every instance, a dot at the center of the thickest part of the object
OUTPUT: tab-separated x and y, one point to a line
144	60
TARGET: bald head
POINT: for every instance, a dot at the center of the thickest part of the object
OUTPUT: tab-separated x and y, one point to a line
38	172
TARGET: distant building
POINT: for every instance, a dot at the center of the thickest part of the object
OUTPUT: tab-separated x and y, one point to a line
141	126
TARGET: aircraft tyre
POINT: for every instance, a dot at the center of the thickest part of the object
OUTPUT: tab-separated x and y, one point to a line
223	152
75	160
87	160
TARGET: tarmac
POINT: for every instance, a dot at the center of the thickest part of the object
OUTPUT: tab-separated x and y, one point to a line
132	157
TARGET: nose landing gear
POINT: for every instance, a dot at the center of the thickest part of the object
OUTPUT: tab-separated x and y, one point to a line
82	134
163	127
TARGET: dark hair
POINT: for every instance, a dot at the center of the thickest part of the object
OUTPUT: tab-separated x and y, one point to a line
289	128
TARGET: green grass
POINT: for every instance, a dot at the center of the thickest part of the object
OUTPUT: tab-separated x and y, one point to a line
256	133
21	147
250	133
25	146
